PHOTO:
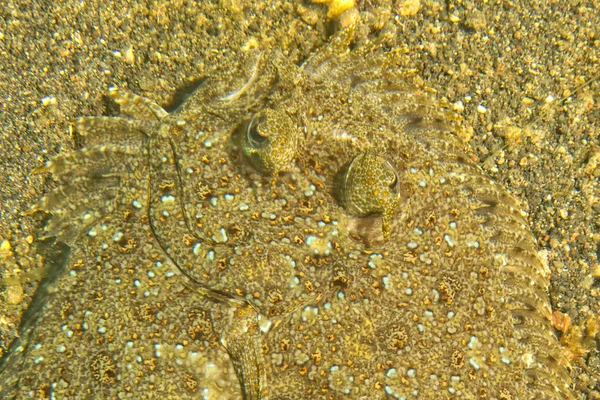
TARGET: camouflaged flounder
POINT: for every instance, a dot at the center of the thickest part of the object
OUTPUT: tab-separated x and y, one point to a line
330	235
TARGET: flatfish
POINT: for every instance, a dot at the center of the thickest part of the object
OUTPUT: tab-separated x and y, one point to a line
290	232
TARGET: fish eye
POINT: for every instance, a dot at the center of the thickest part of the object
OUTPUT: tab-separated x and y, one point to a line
392	177
370	187
254	137
270	142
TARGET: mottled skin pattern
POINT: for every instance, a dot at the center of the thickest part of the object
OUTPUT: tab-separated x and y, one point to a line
321	229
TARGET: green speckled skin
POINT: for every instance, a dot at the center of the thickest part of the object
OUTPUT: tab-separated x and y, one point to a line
353	249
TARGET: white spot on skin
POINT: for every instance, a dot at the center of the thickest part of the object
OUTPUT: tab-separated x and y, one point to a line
220	236
309	313
197	249
473	243
448	240
291	260
295	282
210	256
264	324
472	342
318	245
386	282
528	359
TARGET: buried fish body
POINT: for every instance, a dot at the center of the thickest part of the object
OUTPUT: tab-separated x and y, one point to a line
310	232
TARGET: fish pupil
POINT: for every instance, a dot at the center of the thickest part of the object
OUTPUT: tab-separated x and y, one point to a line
253	135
